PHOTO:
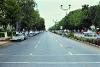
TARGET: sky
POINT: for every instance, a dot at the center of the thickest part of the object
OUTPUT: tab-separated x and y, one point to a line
50	9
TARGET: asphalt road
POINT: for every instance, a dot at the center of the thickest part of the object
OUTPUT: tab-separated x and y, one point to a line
49	50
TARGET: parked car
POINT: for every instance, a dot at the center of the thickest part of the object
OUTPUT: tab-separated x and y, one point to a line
25	35
18	37
36	32
90	35
31	33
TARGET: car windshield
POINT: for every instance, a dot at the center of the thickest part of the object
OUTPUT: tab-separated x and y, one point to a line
49	33
17	35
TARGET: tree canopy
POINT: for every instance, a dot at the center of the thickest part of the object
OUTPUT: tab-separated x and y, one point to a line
20	14
81	18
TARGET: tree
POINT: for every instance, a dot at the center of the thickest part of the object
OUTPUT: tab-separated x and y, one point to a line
74	18
85	20
20	14
97	16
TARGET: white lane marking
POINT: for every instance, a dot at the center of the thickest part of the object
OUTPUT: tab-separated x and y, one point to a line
56	55
86	54
2	54
70	53
56	40
61	45
31	54
50	62
34	55
37	44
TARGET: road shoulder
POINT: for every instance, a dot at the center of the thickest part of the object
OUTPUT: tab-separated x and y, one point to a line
4	43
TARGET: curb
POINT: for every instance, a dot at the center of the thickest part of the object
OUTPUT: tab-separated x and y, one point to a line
5	43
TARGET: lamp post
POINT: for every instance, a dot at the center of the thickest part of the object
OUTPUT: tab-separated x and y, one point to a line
66	10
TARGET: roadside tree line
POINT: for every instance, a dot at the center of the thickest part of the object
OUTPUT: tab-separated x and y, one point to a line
20	14
80	19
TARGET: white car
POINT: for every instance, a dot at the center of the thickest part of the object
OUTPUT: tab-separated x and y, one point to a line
31	33
18	37
36	32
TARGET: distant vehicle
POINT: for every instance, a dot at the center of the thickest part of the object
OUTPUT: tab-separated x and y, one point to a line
31	33
36	32
25	34
98	37
18	37
91	35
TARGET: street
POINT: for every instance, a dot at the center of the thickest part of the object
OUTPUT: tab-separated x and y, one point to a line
49	50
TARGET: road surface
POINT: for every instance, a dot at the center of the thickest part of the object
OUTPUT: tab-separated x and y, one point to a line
49	50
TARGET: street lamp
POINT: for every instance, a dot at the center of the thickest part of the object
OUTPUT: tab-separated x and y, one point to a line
65	9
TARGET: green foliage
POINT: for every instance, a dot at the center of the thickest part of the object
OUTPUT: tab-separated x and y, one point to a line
2	34
74	17
21	13
11	33
81	18
97	16
70	35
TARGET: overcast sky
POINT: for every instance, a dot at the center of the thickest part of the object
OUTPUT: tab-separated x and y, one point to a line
50	9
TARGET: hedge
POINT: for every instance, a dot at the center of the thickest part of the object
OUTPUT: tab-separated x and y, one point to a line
11	33
71	35
93	41
2	34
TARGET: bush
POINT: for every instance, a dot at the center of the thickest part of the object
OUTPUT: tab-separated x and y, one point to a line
90	40
84	39
11	33
94	41
81	39
98	42
71	35
2	34
78	38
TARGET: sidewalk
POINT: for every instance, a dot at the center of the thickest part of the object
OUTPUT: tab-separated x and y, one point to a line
2	43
